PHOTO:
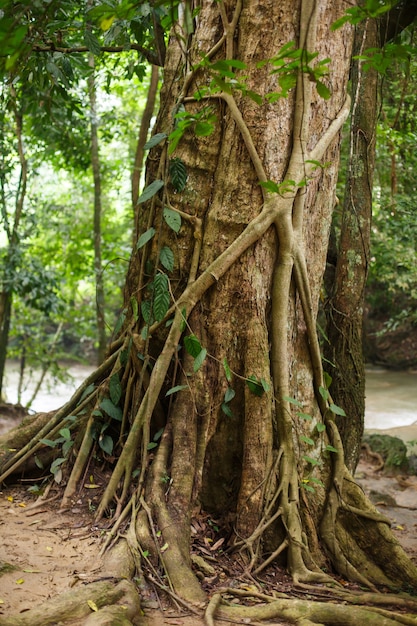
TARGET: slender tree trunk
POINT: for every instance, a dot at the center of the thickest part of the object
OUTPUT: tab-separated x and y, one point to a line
98	268
12	231
147	114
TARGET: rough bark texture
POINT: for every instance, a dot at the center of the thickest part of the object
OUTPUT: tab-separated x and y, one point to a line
266	458
345	307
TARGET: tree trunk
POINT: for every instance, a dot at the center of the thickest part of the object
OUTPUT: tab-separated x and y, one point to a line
98	269
215	383
344	309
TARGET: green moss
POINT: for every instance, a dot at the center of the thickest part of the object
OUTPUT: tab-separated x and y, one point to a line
392	449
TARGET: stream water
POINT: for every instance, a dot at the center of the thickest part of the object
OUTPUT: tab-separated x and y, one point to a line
391	397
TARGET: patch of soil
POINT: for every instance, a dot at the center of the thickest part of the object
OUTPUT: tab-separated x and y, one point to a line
42	552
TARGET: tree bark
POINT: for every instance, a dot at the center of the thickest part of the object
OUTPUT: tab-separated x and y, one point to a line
215	385
344	309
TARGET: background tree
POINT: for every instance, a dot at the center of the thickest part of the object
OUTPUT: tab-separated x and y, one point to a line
216	366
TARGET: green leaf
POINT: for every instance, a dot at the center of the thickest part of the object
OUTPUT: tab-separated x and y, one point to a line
224	65
167	258
293	401
199	359
307	440
178	173
49	442
135	308
55	464
115	389
161	295
87	391
151	445
192	345
304	416
255	385
324	393
145	237
227	370
66	433
323	91
176	389
310	460
146	310
172	219
67	68
106	444
92	42
256	97
184	320
320	427
155	140
229	394
308	488
264	384
330	449
158	434
108	407
120	321
150	191
337	410
38	463
203	129
226	409
316	481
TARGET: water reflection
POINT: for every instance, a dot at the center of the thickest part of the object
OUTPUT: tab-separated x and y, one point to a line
52	395
391	398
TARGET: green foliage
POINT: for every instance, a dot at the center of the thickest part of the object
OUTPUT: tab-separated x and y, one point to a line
367	9
392	282
201	123
257	386
289	62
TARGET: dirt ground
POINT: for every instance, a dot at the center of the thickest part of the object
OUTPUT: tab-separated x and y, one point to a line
44	551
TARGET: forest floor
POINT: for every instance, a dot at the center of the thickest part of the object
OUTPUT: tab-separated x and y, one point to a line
44	551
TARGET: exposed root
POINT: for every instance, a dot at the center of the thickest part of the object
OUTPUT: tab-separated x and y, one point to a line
80	603
310	612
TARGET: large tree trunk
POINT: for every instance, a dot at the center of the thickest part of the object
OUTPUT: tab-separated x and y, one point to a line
344	309
250	434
